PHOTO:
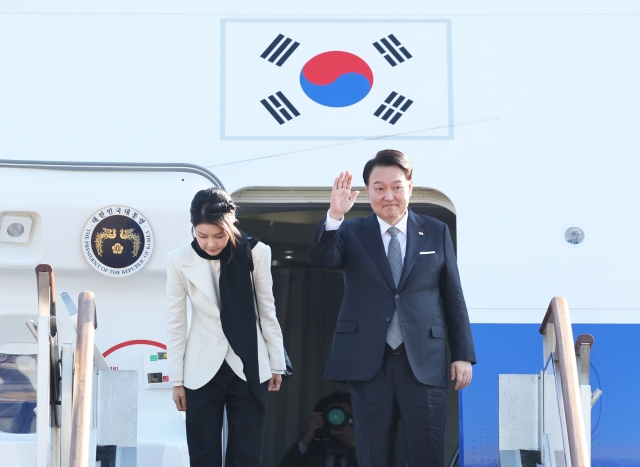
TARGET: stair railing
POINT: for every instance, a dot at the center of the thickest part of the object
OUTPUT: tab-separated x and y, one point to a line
83	381
558	339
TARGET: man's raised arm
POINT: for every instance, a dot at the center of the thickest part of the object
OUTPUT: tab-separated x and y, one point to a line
327	245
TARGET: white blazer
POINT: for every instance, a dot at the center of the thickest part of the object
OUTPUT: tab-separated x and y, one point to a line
195	359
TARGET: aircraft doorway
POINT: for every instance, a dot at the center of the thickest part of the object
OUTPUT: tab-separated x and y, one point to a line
308	301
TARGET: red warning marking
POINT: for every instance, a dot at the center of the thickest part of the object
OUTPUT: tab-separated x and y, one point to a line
134	342
165	379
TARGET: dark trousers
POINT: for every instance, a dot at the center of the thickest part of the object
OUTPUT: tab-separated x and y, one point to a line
205	412
393	394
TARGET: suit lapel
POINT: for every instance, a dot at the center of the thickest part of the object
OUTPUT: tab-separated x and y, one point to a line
198	271
414	245
372	241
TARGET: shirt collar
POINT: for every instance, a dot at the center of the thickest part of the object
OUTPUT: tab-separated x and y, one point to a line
401	225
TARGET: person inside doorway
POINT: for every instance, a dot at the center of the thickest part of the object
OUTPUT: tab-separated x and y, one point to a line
328	437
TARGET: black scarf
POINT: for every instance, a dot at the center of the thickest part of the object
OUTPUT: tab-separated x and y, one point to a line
238	312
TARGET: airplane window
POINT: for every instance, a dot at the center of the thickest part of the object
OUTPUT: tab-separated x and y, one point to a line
17	393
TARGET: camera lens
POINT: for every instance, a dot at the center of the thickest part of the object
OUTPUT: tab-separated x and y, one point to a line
336	416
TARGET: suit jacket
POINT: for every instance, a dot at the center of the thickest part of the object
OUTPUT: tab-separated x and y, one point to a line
197	358
371	297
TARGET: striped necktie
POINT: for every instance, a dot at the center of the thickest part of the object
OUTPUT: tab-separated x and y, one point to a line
394	255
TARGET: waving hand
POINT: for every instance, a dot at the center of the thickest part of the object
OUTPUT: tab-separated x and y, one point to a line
342	198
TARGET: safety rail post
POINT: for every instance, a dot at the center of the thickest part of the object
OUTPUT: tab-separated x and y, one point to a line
83	381
583	352
558	322
43	413
66	393
46	333
583	355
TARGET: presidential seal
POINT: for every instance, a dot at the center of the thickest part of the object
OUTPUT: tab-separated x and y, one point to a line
117	241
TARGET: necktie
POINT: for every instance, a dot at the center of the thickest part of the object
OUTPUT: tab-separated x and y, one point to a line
336	459
394	255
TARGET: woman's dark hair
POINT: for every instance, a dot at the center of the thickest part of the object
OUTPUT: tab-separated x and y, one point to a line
215	206
386	158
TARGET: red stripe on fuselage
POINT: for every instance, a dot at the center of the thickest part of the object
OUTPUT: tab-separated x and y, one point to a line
135	342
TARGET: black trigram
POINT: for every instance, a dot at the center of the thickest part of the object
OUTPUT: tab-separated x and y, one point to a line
393	49
391	108
279	103
283	45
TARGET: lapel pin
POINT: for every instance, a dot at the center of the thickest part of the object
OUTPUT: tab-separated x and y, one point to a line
420	233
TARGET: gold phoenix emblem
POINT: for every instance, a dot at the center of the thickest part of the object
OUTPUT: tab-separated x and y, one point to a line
110	234
129	234
106	233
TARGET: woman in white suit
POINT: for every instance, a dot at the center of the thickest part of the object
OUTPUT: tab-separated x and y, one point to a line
228	359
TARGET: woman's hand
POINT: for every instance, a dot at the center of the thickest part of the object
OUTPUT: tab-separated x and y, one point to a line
274	383
180	398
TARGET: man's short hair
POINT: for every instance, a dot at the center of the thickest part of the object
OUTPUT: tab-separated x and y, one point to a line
335	398
387	158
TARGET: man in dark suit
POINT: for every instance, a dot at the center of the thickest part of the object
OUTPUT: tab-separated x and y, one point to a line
401	288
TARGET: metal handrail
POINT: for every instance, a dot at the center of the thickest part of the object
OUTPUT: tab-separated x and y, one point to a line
114	167
556	326
83	381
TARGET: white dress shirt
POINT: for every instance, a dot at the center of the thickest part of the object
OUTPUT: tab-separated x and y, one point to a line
332	224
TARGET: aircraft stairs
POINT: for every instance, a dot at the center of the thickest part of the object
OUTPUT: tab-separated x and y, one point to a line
92	410
545	418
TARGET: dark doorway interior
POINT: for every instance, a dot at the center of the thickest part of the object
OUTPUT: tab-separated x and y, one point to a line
307	302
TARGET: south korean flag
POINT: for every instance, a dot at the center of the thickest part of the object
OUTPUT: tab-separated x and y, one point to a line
336	79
